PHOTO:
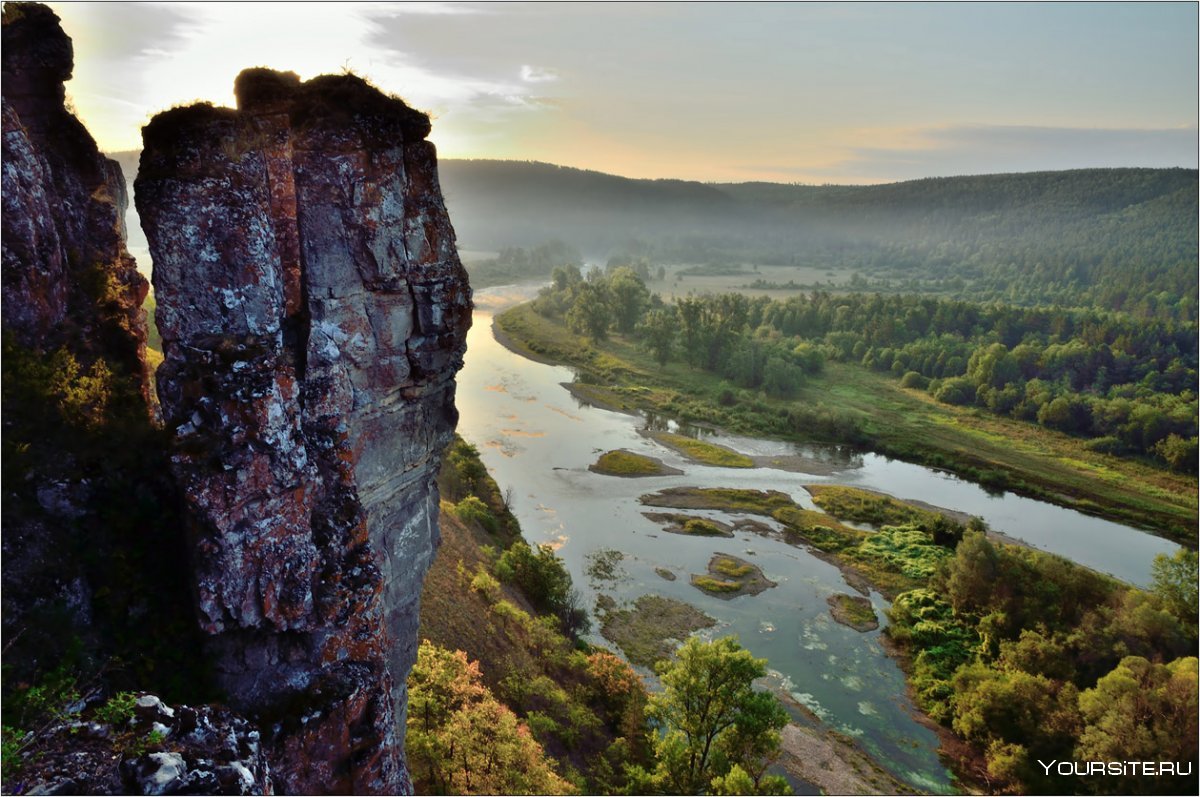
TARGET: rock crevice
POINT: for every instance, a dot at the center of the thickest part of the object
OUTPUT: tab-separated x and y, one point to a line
313	313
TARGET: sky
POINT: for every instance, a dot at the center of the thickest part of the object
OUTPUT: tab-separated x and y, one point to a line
721	92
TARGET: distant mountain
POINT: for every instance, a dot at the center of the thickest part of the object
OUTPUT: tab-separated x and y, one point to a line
501	203
512	203
1116	238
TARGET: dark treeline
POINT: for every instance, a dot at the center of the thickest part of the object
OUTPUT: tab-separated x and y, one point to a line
1121	239
1127	384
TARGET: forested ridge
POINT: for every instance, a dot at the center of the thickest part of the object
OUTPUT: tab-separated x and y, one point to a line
1121	239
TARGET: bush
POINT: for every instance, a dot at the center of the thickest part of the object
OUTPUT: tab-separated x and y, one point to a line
957	391
472	509
118	710
912	379
544	580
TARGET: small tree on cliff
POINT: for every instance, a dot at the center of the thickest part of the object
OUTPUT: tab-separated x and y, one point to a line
718	733
461	740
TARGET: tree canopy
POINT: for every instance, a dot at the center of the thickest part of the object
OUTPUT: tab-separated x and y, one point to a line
717	732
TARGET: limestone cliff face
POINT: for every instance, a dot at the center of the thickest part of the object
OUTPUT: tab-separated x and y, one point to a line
313	313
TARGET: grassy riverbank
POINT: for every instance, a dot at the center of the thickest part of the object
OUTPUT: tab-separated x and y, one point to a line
997	452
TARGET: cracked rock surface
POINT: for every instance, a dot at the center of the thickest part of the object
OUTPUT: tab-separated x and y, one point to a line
313	312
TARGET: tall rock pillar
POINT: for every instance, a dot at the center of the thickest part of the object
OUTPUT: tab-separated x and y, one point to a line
313	312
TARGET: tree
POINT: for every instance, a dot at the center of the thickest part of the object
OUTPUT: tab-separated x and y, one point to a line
1174	582
590	313
544	580
713	719
1016	716
1177	452
461	740
1141	712
628	297
564	277
658	333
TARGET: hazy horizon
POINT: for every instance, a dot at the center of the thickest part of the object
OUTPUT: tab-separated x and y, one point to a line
791	93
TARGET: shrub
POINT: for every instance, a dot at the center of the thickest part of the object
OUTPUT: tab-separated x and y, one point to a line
118	709
472	509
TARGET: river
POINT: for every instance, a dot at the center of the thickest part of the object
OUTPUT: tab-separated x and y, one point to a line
537	440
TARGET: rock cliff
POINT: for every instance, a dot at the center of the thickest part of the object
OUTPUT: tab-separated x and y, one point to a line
313	313
68	280
75	395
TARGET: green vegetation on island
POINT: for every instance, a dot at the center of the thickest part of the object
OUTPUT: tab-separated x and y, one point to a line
728	576
702	451
690	524
854	611
857	505
629	464
760	502
894	559
650	630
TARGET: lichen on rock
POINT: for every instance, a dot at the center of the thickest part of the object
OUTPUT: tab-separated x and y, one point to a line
313	312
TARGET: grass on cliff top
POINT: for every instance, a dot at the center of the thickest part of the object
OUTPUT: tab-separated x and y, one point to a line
1001	453
702	452
653	628
627	463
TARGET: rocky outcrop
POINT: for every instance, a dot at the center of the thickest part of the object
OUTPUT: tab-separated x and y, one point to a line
68	280
313	313
73	372
158	749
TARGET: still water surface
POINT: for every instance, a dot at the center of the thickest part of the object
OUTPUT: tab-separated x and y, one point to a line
536	439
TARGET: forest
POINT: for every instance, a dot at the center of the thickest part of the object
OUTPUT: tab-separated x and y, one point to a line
1126	386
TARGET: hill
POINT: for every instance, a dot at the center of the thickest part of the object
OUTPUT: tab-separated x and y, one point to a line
1121	239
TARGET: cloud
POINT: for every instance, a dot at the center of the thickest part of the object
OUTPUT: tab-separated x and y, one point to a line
982	149
427	9
537	74
108	32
